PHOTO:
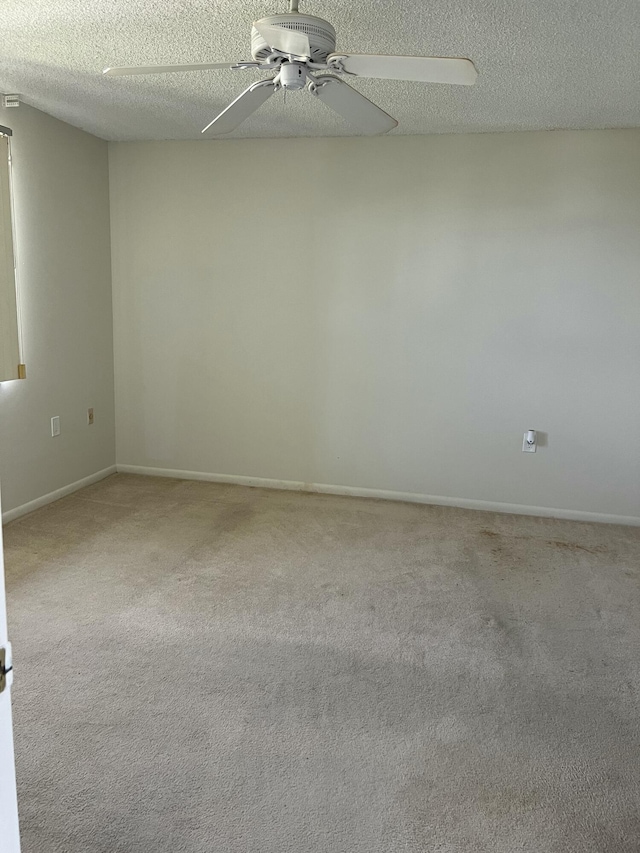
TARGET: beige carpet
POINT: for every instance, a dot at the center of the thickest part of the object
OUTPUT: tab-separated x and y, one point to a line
208	668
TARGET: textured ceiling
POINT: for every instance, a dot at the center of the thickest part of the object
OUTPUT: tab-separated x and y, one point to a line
542	63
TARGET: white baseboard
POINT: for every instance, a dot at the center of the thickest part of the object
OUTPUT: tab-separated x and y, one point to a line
16	512
356	491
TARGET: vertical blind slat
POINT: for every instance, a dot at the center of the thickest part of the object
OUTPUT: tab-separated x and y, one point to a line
9	338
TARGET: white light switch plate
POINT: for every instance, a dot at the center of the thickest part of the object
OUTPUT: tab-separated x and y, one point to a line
55	425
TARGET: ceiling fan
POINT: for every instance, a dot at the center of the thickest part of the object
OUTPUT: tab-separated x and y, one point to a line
299	48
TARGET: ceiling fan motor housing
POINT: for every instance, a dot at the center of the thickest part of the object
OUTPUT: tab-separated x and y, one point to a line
321	35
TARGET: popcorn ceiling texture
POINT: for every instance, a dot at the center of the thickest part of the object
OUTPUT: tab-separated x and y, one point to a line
543	64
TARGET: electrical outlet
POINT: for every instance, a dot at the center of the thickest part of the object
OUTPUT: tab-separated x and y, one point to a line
55	426
90	416
529	441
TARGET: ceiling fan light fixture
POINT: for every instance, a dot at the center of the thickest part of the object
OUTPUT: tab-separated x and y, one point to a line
293	75
297	47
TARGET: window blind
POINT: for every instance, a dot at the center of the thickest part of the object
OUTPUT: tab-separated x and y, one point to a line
10	367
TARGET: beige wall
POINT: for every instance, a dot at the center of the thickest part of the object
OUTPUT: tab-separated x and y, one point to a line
384	313
61	193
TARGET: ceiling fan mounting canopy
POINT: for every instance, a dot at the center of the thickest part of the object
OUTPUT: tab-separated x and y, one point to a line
299	50
321	35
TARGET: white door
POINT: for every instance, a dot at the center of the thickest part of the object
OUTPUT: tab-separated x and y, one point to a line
9	839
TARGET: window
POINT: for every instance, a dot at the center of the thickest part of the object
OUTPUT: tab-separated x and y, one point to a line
10	367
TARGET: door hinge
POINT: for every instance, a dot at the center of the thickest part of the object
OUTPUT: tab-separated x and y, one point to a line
6	667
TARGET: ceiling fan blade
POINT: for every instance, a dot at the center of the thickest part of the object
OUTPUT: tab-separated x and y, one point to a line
172	69
353	106
240	109
284	40
424	69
